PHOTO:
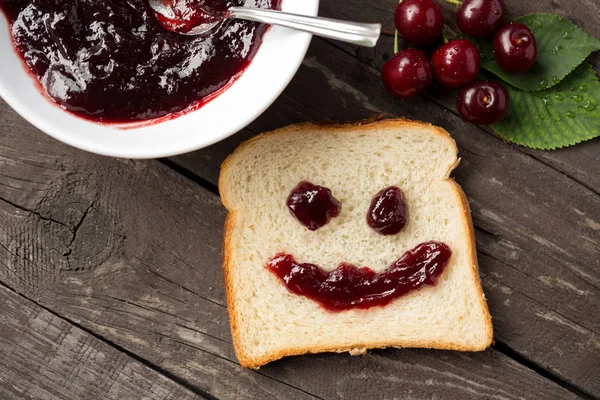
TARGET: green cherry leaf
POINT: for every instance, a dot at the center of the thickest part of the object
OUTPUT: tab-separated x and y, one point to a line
562	46
564	115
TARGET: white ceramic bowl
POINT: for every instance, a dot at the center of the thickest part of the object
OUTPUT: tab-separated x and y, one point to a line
274	65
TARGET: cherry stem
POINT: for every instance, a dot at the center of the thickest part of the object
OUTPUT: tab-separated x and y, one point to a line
455	2
396	34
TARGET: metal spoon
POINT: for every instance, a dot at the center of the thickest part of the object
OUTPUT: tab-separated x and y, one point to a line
351	32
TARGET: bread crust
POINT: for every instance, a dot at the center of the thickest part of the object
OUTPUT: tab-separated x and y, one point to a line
359	347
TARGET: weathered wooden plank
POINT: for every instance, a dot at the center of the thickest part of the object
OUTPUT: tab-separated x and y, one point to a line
544	225
44	357
131	250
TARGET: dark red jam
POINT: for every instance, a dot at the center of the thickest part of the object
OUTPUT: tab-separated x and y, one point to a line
349	287
313	205
112	61
388	213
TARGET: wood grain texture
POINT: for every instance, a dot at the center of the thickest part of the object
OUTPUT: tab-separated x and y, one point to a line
537	233
131	251
43	357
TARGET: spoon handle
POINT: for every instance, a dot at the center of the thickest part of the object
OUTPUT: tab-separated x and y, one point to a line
351	32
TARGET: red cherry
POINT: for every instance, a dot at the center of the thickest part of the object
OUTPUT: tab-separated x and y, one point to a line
515	48
482	102
419	21
407	73
456	63
480	18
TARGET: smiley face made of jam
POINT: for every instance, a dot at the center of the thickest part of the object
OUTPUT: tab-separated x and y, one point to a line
349	286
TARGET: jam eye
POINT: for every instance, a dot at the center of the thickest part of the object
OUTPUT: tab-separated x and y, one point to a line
313	205
388	213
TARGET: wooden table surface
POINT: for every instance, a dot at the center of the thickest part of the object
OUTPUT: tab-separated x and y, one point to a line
110	269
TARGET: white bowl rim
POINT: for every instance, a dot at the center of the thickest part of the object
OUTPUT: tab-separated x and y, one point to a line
287	46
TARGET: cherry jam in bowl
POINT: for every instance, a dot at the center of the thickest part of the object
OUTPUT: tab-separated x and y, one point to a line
171	127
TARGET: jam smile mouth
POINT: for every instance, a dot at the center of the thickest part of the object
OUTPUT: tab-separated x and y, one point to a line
349	287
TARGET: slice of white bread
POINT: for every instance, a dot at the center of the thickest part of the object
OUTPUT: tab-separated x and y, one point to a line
269	322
